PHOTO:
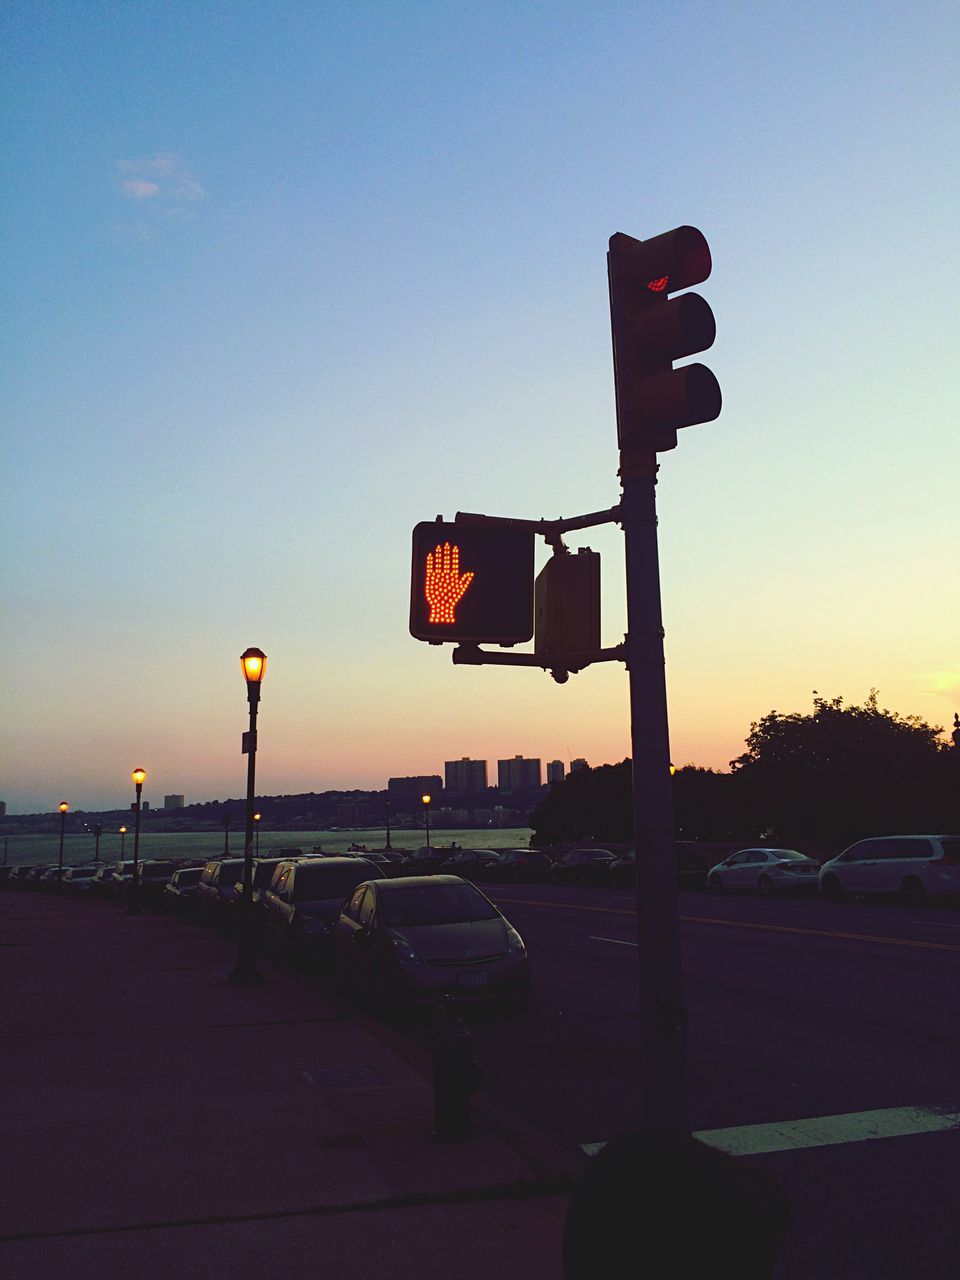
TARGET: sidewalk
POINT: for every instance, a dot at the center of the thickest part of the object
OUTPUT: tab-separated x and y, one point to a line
159	1122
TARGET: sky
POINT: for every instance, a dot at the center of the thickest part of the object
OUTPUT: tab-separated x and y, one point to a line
281	280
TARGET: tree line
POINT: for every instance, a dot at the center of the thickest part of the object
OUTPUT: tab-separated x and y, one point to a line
823	778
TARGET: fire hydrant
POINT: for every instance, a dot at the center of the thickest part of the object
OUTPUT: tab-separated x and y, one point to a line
456	1072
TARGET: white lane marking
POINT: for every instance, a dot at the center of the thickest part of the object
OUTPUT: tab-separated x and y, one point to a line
619	941
822	1131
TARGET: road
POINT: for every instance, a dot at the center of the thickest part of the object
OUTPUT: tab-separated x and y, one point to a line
798	1009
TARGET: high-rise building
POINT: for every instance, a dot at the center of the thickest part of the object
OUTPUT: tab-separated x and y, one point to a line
579	763
465	774
173	802
555	771
401	789
518	774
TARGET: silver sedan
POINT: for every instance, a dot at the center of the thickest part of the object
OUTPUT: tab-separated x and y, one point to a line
764	870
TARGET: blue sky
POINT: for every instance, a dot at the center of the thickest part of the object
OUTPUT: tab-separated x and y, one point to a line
282	280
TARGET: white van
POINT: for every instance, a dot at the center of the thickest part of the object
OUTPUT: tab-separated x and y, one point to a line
915	868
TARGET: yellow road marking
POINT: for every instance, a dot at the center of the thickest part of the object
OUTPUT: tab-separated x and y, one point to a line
748	924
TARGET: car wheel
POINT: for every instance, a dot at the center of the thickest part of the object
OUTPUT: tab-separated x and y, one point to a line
766	887
913	893
716	884
832	889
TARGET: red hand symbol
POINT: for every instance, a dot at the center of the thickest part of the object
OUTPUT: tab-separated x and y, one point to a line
444	586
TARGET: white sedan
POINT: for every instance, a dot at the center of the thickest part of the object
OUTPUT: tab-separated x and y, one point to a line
766	871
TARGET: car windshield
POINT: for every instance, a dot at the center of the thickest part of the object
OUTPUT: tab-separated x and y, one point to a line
316	884
784	854
435	904
190	876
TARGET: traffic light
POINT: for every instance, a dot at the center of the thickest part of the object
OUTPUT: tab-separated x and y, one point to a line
651	330
471	583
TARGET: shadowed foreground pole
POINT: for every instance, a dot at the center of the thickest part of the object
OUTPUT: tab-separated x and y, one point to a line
63	818
663	1017
139	777
253	663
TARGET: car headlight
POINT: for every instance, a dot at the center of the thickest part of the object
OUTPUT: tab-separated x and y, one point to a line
404	951
515	945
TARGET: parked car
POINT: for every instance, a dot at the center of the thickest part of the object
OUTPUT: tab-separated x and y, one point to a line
152	878
263	872
412	940
101	880
423	861
77	880
217	889
764	870
515	865
472	864
915	868
581	866
120	879
622	871
304	899
180	892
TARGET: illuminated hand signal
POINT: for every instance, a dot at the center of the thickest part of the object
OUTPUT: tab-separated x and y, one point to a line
444	587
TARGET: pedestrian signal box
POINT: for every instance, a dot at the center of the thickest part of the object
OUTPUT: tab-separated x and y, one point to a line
471	583
567	604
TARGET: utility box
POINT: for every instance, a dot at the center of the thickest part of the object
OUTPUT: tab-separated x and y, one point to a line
567	603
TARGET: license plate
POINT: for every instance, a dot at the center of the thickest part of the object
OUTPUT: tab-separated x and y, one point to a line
478	979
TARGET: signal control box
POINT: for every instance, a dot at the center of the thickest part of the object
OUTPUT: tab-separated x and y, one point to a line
567	603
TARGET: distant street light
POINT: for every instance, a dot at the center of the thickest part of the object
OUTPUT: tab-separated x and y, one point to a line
97	833
63	818
253	663
139	777
257	817
388	825
123	841
426	816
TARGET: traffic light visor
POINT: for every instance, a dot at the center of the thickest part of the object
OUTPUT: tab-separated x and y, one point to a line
668	262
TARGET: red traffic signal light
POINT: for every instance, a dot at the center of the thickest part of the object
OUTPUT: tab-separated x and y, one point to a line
651	330
472	583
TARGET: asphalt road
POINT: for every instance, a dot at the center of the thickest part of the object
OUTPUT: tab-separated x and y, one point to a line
798	1008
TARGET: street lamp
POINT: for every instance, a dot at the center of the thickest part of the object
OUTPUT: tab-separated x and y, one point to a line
253	663
388	825
139	777
63	818
123	841
226	835
256	818
97	833
426	816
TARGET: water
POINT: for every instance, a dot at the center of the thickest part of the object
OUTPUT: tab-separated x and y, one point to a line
209	844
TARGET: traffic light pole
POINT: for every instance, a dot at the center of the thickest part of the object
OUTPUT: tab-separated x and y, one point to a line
663	1017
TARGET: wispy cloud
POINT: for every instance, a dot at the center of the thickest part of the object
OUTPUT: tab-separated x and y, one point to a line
163	177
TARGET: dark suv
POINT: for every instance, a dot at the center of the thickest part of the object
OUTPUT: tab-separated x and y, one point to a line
303	902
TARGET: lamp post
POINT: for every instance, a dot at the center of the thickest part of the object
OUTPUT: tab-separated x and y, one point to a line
256	819
253	663
63	818
97	833
123	841
139	777
426	816
226	835
388	825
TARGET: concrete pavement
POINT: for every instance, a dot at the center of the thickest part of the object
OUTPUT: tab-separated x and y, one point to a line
156	1121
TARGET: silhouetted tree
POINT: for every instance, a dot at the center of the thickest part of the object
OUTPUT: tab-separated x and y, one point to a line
842	772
